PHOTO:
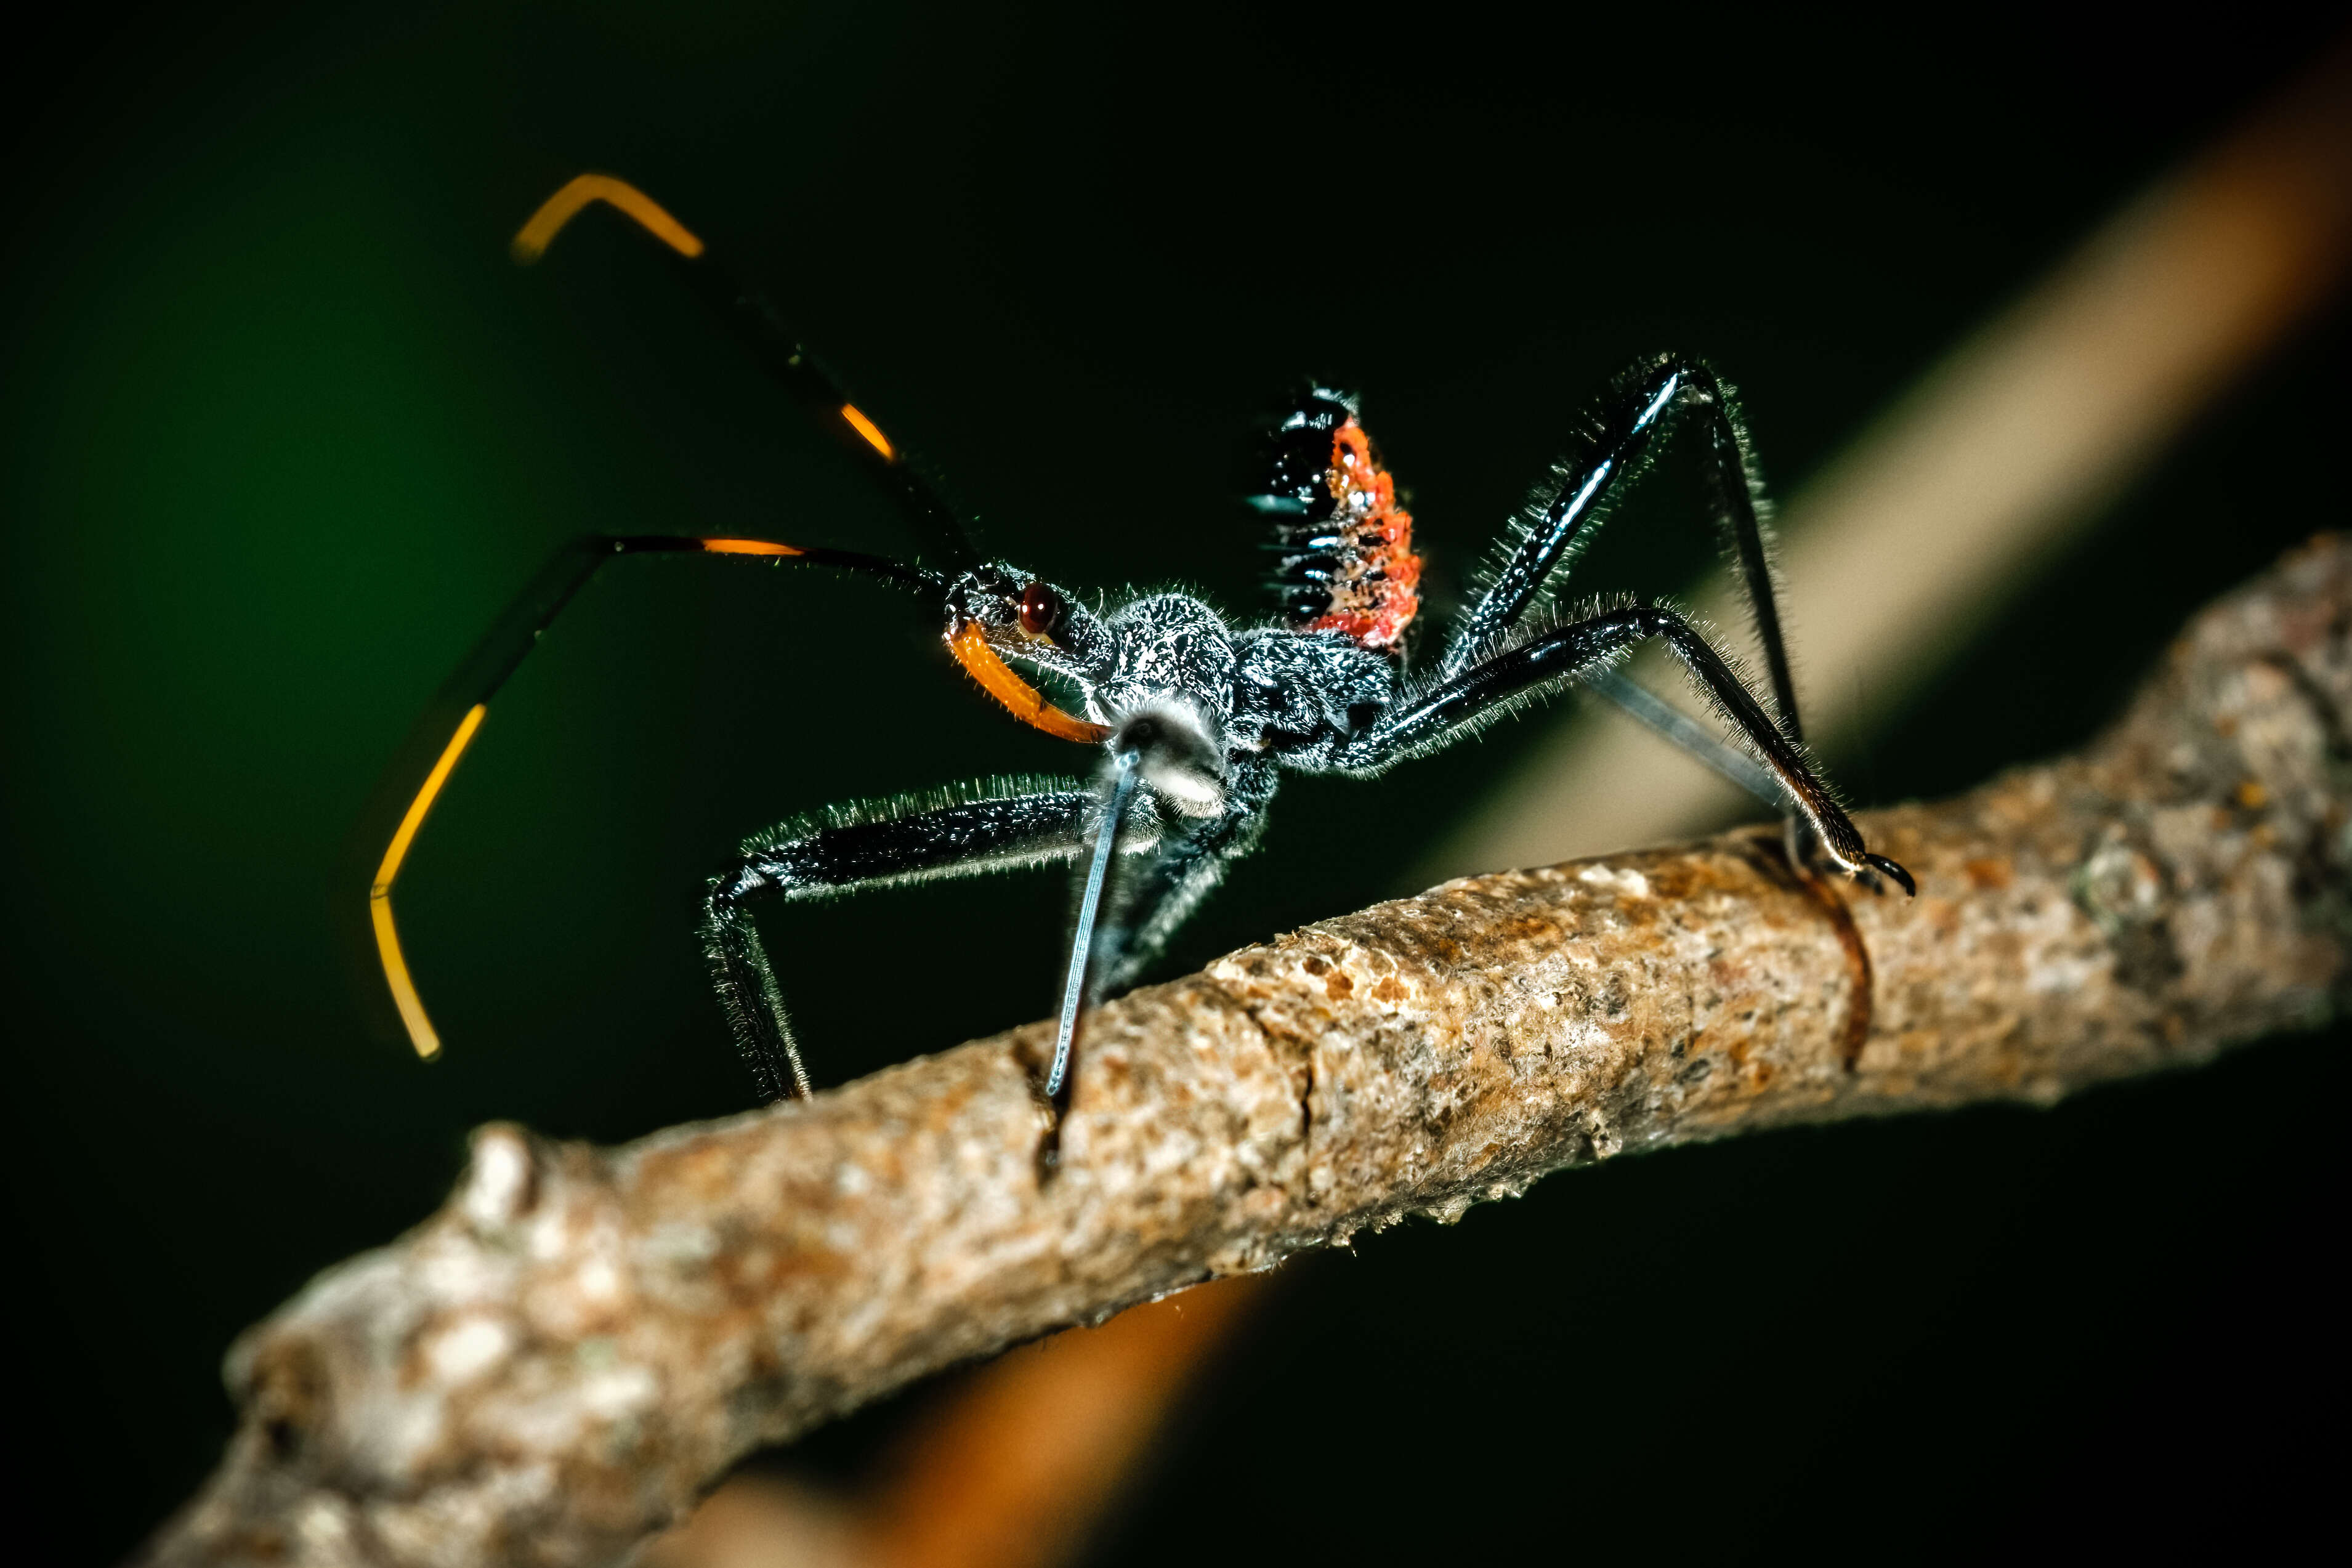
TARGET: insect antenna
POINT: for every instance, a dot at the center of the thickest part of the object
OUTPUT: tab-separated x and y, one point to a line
754	321
422	768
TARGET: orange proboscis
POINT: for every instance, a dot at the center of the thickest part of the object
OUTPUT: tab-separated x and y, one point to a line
561	209
748	547
1020	699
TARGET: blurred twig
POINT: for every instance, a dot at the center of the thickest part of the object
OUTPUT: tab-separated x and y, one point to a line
1014	1472
1024	1463
555	1364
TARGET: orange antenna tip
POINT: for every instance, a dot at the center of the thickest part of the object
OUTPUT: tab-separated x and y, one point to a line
870	430
421	1033
748	547
532	242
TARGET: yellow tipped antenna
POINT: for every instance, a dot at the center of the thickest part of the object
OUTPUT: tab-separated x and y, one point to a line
528	616
532	242
387	940
869	431
565	204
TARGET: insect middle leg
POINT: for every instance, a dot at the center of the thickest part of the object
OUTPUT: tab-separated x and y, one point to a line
1582	649
1124	919
990	829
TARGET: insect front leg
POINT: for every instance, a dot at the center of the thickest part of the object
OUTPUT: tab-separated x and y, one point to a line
1167	761
909	841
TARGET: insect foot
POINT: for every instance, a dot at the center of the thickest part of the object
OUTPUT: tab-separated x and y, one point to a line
1894	872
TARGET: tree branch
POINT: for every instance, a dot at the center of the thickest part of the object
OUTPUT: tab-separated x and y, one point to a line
560	1361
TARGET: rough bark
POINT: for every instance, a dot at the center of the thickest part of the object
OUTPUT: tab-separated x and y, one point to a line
560	1361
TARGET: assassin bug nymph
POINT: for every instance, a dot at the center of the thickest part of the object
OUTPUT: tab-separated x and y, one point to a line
1194	717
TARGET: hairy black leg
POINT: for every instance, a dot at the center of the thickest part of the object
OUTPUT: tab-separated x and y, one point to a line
1161	892
755	321
1698	742
1442	713
422	766
1712	752
867	847
1616	442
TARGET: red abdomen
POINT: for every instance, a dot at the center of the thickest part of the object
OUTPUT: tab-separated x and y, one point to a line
1348	564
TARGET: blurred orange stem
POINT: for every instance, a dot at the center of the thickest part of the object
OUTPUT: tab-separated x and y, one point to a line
1032	1453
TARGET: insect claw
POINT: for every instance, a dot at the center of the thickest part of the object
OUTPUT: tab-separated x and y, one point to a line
1049	1111
1902	878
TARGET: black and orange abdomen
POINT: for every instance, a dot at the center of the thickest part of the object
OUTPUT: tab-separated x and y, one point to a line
1347	562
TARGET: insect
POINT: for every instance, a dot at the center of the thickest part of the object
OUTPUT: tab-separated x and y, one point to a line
1192	717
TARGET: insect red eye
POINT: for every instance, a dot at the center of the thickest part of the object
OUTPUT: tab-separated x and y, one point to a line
1041	610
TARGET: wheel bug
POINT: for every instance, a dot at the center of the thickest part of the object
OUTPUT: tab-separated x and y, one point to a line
1196	717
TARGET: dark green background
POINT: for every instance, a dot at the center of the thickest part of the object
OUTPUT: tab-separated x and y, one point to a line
280	428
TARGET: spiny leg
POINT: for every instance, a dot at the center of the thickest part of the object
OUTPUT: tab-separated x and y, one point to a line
1444	713
1123	915
1712	752
993	829
1702	745
1161	892
1617	442
755	321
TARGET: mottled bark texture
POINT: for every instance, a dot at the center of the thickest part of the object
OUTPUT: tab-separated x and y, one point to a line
561	1359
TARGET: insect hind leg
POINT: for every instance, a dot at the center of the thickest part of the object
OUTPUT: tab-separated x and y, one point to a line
1573	652
1616	442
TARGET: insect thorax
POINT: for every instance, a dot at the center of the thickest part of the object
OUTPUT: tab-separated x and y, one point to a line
1274	691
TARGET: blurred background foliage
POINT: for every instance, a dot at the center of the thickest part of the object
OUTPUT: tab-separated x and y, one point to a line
281	428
